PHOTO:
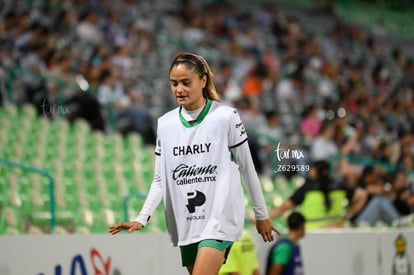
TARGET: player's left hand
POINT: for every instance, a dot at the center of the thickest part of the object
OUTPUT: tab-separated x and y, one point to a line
266	229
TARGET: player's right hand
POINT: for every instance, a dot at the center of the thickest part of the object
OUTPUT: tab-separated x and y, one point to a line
130	226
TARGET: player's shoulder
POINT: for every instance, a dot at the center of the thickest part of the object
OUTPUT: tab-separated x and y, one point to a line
223	109
284	241
168	116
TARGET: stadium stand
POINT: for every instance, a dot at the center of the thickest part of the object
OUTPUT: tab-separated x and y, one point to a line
53	60
93	175
92	172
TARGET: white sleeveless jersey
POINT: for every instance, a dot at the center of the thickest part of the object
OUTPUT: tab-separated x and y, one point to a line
201	185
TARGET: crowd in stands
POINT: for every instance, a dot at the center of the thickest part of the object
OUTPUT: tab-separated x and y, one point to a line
337	94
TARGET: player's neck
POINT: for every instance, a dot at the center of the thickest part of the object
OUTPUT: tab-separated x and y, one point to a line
294	236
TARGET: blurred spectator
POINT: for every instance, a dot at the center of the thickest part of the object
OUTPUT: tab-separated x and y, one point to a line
253	84
227	86
88	29
290	89
244	62
311	123
382	153
195	33
379	30
294	34
327	83
269	136
330	45
322	200
34	80
65	23
122	59
119	110
407	163
242	259
186	11
369	141
380	79
271	60
404	147
253	119
323	146
284	257
407	79
378	207
401	194
86	106
273	127
251	113
62	81
398	117
397	64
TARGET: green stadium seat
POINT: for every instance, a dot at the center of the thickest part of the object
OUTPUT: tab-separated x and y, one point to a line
9	217
66	220
72	204
84	218
98	224
281	185
14	198
81	229
40	201
10	111
37	230
27	111
12	231
60	230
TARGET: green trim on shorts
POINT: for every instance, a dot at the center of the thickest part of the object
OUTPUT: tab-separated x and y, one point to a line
189	252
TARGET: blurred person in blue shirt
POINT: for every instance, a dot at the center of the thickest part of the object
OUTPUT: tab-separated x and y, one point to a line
284	257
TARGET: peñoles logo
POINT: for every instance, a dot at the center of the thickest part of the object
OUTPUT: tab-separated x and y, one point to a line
195	199
185	174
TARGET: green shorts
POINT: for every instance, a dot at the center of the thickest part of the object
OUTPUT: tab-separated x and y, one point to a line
189	252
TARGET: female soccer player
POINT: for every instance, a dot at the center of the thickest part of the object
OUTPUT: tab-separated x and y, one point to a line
201	149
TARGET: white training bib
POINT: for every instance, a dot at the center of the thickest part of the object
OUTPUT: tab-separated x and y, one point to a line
201	185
